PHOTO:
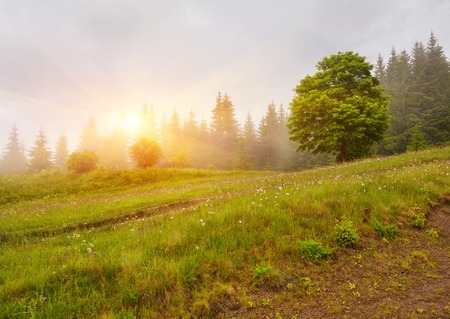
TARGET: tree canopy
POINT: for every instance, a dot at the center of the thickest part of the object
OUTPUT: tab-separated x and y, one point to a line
341	110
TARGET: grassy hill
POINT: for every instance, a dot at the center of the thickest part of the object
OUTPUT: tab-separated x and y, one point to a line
363	239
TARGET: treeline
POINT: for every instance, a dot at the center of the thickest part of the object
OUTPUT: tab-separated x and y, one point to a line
419	87
222	144
418	84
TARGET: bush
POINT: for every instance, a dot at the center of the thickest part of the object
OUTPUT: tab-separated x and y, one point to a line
81	162
418	217
345	233
433	233
389	231
265	274
145	153
313	250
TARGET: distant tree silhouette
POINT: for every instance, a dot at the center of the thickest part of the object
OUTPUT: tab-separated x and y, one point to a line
40	155
224	131
14	160
147	127
61	152
268	138
90	139
419	87
247	146
113	151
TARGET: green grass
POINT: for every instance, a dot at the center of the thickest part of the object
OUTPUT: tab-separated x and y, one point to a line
193	243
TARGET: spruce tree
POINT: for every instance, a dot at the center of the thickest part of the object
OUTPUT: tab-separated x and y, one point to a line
148	127
435	112
14	160
190	139
398	86
268	139
287	156
114	147
380	70
40	155
172	144
190	128
61	152
224	131
90	139
247	146
419	86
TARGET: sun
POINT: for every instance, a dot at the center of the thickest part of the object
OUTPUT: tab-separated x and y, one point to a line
131	123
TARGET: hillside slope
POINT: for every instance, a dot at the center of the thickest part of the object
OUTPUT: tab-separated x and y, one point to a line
363	239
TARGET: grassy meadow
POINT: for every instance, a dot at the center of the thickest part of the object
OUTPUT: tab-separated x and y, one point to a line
362	239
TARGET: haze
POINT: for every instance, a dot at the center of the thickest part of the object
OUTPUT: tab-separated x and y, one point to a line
63	61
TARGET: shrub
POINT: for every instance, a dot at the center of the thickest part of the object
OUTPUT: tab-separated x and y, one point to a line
418	217
389	231
265	274
81	162
433	233
345	233
313	250
145	153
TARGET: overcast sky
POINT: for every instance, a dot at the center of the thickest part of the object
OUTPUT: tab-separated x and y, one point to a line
62	61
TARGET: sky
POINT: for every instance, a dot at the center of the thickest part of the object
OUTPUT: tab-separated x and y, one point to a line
63	61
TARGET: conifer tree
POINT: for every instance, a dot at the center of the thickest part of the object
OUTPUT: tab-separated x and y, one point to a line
206	150
171	141
380	70
148	127
419	86
247	146
224	126
435	114
398	86
90	139
14	160
114	146
40	155
190	128
61	152
287	156
224	131
417	141
268	138
189	140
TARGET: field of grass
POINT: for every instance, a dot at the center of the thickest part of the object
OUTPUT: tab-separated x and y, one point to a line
362	239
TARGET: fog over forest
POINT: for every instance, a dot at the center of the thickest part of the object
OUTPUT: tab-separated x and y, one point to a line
63	63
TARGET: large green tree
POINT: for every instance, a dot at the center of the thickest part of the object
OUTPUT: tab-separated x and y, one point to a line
341	110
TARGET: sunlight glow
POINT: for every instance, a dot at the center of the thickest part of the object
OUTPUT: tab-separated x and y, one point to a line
131	123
